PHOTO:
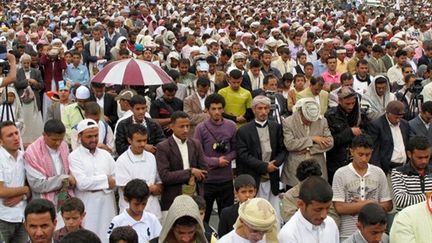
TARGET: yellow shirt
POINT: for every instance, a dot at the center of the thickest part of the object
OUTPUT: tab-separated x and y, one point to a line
342	67
236	102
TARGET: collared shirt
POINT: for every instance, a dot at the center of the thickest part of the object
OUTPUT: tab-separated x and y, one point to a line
342	67
147	228
100	101
78	74
424	123
398	155
130	166
348	185
184	152
299	230
55	156
12	174
330	78
202	101
319	67
394	74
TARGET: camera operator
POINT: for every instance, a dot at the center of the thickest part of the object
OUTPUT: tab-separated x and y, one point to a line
278	107
217	137
410	96
8	77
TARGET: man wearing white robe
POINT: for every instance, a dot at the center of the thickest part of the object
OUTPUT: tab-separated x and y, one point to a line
93	169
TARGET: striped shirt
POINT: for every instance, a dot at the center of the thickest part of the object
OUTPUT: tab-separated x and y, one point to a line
349	185
409	187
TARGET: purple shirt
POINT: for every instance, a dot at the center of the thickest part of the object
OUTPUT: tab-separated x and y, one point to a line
209	133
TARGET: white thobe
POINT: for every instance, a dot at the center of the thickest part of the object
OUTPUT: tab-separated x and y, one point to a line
91	172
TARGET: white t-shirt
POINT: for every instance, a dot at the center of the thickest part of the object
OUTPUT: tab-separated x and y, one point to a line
129	167
147	228
232	236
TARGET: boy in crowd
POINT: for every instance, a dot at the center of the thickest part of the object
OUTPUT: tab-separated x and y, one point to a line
73	213
357	184
131	164
147	226
244	189
371	225
209	232
123	234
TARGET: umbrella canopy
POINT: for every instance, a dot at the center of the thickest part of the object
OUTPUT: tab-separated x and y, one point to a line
132	72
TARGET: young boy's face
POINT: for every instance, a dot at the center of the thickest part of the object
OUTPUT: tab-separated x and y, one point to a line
372	233
361	157
245	192
138	143
72	220
136	208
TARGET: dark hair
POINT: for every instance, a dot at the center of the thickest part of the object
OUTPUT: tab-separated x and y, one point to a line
40	206
286	51
226	52
123	233
214	99
390	45
361	48
136	128
81	236
203	82
418	143
362	141
177	115
287	77
317	80
185	221
307	168
377	48
400	53
346	76
362	62
316	189
211	59
200	202
244	180
92	108
372	214
308	64
300	54
123	51
331	57
137	100
235	74
136	189
427	107
184	61
170	87
255	63
268	77
54	126
72	204
5	124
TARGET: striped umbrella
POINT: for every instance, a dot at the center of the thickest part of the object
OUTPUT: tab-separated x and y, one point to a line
132	72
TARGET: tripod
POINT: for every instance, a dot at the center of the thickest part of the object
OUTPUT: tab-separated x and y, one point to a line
413	105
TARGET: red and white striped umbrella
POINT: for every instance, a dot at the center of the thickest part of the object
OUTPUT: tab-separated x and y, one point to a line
132	72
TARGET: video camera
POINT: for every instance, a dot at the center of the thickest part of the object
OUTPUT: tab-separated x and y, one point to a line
417	87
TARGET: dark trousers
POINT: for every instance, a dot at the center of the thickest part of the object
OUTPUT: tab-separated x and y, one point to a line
223	193
13	232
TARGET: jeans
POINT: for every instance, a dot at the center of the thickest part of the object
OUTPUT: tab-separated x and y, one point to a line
13	232
223	193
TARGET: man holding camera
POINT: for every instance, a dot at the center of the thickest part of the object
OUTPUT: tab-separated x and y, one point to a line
217	137
11	74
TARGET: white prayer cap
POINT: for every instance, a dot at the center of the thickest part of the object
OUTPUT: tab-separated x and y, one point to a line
86	124
203	66
239	55
309	107
255	24
82	93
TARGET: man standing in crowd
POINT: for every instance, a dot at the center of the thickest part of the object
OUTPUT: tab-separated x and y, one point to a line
154	130
262	162
180	161
412	180
306	135
93	169
343	121
217	136
420	126
74	112
40	221
47	164
194	105
13	189
390	134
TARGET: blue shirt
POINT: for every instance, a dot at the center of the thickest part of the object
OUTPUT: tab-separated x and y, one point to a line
319	68
77	74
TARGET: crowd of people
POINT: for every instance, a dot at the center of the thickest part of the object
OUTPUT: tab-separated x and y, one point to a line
287	121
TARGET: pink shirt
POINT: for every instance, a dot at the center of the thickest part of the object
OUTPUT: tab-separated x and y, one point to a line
329	78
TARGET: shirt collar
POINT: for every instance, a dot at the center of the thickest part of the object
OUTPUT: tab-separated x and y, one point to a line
9	156
308	225
134	158
178	140
351	167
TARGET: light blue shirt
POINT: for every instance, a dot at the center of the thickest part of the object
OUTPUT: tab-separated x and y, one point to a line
77	74
319	68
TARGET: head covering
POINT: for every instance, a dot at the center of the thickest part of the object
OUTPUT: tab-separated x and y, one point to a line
126	94
309	107
182	205
86	124
260	99
258	214
346	92
202	66
82	93
395	107
239	55
139	47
